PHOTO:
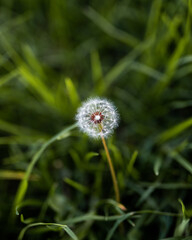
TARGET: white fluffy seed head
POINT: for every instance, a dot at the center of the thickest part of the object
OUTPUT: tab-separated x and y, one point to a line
96	114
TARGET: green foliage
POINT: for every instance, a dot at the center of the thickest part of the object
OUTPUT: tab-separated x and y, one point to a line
64	227
54	180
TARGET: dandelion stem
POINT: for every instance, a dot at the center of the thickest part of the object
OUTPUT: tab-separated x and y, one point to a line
111	169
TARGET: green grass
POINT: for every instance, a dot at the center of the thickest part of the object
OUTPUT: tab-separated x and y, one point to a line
54	180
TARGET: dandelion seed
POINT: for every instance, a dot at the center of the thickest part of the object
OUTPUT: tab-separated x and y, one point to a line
97	116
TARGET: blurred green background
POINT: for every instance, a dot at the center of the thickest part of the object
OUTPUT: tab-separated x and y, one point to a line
55	54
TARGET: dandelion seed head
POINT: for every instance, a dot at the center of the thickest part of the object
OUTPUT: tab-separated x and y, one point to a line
97	116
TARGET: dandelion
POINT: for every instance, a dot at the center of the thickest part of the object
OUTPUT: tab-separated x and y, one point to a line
97	118
95	115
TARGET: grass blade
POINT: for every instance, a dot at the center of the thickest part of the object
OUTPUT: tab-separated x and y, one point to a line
8	77
97	72
37	84
77	185
131	162
182	161
72	92
175	130
178	238
115	226
109	29
64	227
23	185
125	63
